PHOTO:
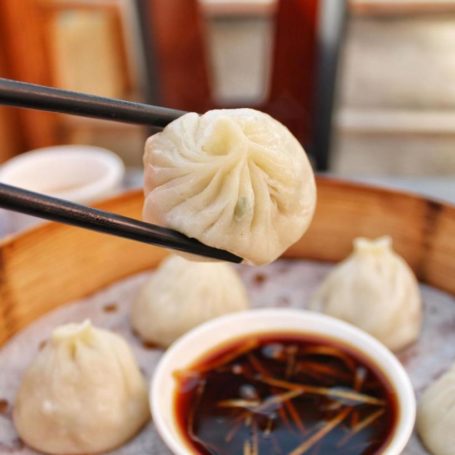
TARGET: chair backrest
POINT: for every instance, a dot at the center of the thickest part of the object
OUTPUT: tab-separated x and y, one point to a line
33	51
23	45
294	67
174	44
178	44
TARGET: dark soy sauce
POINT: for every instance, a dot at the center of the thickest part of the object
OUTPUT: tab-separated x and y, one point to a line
285	394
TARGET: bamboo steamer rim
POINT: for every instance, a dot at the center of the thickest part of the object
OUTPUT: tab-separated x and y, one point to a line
52	264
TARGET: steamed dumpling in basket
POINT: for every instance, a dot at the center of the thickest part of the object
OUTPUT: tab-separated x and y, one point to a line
436	415
83	393
375	290
235	179
182	294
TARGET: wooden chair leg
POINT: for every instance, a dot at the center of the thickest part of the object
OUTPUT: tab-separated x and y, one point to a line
308	36
177	61
293	66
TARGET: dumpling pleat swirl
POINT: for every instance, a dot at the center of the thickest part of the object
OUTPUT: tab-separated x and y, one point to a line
235	179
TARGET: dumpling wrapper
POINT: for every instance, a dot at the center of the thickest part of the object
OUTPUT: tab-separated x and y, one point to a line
235	179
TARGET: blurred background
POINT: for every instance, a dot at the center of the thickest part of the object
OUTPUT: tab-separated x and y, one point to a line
368	86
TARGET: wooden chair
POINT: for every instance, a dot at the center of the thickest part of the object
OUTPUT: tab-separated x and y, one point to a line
307	36
30	51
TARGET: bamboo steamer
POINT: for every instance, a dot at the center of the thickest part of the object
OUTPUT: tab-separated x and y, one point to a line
53	264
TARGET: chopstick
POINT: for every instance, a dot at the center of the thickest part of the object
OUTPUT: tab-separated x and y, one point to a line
50	208
22	94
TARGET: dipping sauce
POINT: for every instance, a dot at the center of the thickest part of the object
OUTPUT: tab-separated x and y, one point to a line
285	394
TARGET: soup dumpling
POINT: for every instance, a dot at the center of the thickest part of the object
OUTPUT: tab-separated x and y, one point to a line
235	179
83	393
436	415
375	290
182	294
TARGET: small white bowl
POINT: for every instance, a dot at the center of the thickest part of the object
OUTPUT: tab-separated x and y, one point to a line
203	339
78	173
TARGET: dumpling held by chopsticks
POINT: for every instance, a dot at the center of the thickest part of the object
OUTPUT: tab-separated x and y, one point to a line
235	179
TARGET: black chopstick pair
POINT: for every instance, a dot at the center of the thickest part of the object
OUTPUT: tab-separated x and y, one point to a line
20	94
